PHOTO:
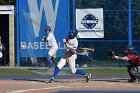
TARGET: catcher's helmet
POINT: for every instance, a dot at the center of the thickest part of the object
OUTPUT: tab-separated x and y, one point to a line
47	29
129	49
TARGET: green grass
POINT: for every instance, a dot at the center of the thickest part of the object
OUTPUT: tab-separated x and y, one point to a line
107	71
111	71
15	72
21	72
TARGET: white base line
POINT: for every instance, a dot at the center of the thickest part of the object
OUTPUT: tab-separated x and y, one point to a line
21	91
27	90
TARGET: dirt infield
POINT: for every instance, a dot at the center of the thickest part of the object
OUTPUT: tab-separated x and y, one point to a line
39	86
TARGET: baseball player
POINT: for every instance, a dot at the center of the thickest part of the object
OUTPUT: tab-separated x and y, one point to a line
133	59
70	56
0	52
50	39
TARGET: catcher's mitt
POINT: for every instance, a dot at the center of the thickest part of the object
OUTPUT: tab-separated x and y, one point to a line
110	53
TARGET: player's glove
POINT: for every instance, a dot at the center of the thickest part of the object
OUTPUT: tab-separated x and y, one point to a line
64	40
44	39
110	53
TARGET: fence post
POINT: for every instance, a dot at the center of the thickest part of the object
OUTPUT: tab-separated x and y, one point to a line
74	18
129	23
17	34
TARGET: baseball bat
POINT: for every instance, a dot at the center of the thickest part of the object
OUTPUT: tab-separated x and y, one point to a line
91	49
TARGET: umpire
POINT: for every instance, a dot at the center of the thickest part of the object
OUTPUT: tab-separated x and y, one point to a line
134	61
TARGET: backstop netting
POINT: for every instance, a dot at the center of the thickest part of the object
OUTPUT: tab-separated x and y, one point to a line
121	28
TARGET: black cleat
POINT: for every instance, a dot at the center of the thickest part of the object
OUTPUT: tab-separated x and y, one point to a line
131	80
137	81
88	77
51	81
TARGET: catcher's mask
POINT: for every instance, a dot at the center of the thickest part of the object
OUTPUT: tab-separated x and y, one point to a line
129	50
48	29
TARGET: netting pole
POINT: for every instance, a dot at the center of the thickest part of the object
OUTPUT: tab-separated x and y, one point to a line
74	17
17	34
129	23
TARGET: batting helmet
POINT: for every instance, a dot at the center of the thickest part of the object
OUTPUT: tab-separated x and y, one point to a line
47	29
73	34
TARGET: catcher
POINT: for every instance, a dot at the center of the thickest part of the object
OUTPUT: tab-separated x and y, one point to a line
134	61
69	57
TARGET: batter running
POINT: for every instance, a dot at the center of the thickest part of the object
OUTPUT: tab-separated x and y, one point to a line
70	56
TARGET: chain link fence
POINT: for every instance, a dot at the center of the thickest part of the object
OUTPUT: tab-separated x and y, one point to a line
116	35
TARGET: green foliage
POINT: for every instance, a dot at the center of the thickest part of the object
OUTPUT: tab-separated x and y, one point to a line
7	2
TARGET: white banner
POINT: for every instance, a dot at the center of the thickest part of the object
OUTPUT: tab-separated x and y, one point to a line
89	23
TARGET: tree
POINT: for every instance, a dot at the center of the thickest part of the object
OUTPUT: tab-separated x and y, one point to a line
7	2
